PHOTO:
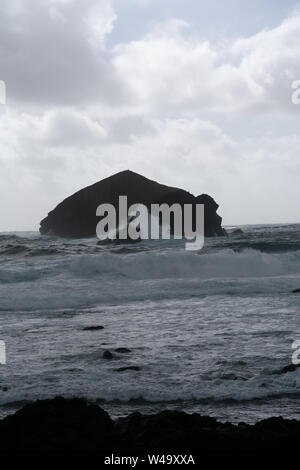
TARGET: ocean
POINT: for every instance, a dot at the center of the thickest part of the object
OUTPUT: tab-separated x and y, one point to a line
210	331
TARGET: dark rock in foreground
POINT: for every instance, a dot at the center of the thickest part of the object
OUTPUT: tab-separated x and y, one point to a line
75	217
57	424
74	424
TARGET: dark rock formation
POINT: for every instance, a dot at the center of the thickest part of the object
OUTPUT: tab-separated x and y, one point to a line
213	222
107	355
237	231
123	350
181	432
93	328
289	368
57	424
61	424
123	369
116	242
296	291
75	217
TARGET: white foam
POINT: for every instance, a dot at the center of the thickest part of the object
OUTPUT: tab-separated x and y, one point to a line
182	265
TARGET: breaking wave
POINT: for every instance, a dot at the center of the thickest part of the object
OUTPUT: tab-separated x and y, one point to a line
167	264
181	264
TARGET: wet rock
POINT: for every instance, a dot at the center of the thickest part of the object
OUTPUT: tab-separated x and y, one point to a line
123	350
61	424
237	231
296	291
286	369
175	430
117	242
107	355
57	424
122	369
290	368
93	328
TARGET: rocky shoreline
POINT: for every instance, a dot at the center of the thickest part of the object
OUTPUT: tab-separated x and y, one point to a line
73	424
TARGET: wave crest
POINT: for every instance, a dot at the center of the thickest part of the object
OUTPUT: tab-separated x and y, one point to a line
182	264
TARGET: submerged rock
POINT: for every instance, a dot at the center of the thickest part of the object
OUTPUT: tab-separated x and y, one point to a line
286	369
123	369
296	291
75	217
93	328
237	231
123	350
109	242
290	368
107	355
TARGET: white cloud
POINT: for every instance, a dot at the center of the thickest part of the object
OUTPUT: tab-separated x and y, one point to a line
100	22
168	105
71	128
254	181
168	68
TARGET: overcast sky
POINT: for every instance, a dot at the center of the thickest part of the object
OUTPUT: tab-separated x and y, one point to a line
195	94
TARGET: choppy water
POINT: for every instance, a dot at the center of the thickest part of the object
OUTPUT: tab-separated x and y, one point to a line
208	330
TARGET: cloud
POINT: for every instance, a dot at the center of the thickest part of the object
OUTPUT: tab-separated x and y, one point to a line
169	68
209	117
254	181
71	128
53	53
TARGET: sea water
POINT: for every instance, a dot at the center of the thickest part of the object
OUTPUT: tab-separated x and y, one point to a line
210	331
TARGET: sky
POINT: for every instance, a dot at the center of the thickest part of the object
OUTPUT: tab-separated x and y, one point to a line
194	94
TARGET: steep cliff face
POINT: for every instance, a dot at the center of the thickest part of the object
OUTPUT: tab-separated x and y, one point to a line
75	217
